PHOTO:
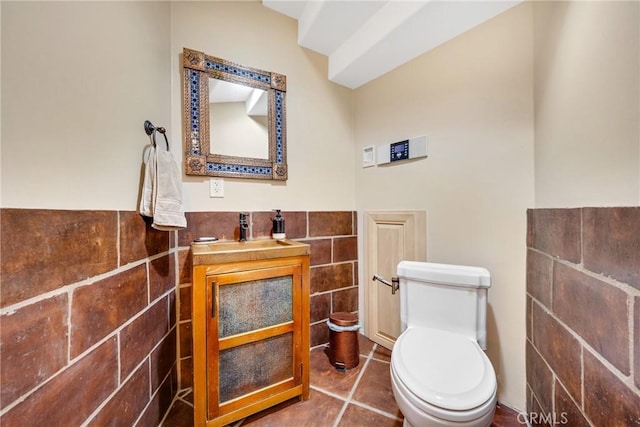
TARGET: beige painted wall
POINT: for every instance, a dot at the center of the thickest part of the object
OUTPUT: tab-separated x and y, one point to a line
74	103
78	81
319	113
537	107
587	98
473	99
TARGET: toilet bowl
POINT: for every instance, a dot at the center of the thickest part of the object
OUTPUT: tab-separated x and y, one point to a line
442	379
440	375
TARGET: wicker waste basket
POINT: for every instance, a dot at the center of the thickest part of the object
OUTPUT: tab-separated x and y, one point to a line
343	340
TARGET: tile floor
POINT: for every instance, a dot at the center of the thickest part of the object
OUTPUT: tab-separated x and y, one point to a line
359	397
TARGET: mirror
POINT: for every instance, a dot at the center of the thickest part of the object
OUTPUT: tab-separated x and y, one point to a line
234	119
238	120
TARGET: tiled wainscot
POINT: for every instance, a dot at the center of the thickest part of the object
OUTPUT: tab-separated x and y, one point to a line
583	316
88	319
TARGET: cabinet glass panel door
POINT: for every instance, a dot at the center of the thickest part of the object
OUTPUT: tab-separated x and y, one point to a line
254	304
250	367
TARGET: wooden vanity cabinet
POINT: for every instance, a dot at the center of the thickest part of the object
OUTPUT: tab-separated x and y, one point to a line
250	336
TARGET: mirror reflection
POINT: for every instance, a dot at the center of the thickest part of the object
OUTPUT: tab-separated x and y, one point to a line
238	120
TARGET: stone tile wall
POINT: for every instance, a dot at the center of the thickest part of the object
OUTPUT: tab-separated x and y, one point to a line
334	270
583	316
87	319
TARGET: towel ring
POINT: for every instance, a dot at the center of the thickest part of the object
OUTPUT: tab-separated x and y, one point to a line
151	130
165	139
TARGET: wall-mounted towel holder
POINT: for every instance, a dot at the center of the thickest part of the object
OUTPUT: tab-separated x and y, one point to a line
151	130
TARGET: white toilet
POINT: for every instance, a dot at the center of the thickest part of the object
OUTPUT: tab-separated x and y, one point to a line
439	372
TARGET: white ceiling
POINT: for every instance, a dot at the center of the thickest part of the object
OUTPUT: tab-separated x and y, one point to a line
365	39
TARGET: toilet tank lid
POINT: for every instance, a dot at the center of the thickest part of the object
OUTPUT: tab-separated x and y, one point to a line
448	274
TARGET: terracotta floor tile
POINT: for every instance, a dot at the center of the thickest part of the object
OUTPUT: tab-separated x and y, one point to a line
320	410
326	377
180	415
186	395
374	388
365	345
325	404
505	417
356	416
382	353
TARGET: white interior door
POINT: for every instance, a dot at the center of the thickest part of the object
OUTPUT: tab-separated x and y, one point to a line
390	237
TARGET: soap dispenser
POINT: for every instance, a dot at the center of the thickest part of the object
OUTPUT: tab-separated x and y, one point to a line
278	226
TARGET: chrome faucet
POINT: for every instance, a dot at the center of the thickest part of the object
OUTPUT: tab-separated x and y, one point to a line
244	226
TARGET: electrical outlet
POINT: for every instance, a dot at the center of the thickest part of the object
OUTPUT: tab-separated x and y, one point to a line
216	187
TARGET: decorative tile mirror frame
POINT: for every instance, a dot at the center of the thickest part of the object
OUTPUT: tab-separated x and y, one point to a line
198	68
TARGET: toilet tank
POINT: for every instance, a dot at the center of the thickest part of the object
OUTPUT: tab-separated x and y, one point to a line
446	297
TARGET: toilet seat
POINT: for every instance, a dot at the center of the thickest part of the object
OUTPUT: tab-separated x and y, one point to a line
443	373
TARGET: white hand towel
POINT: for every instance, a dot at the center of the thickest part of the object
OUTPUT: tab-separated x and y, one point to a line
146	199
167	193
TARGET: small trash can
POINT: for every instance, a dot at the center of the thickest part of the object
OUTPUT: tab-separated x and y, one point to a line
343	340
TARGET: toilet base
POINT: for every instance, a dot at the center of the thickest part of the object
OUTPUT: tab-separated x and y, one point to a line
426	420
484	422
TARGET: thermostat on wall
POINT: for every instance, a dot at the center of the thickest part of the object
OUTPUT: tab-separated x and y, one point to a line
368	156
403	150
